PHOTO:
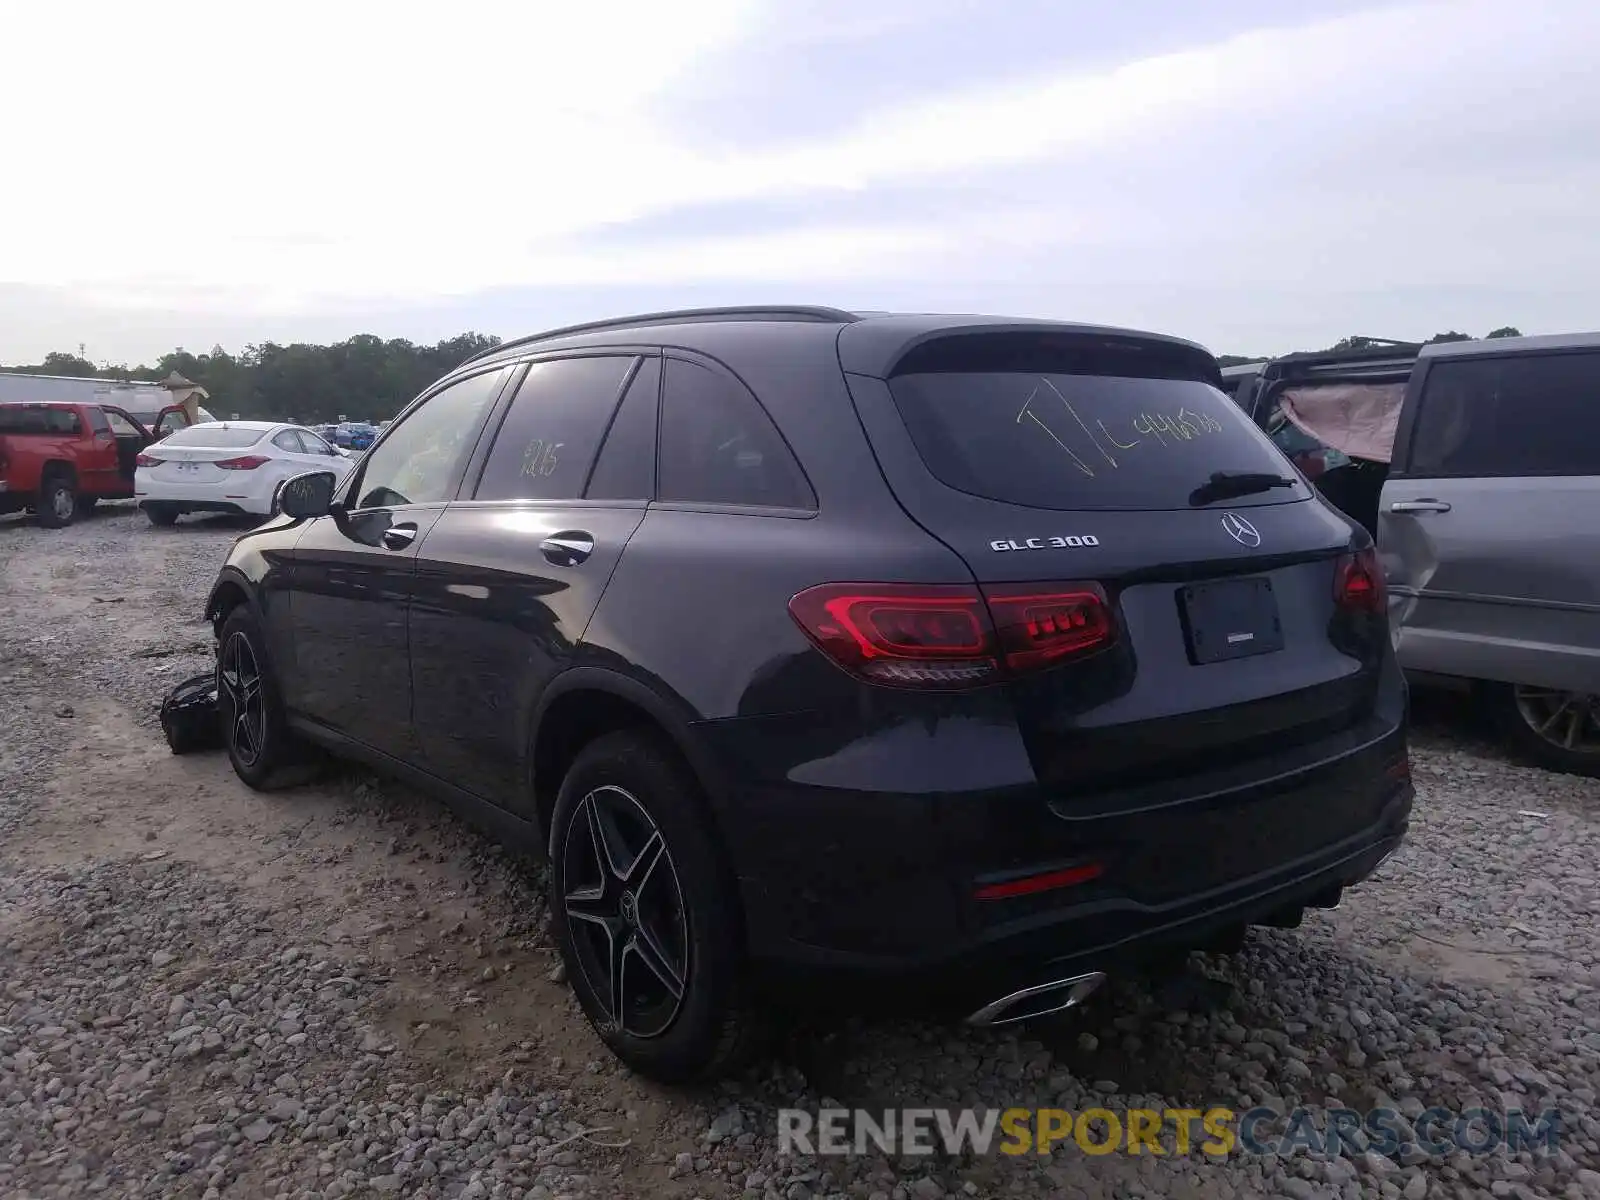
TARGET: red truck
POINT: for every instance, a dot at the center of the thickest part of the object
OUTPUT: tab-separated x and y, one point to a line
59	459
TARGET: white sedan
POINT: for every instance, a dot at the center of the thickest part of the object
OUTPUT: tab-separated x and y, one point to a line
228	467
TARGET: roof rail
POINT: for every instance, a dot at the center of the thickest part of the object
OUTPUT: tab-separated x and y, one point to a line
759	312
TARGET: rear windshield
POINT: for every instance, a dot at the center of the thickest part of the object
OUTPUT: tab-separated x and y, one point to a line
20	420
1070	441
222	436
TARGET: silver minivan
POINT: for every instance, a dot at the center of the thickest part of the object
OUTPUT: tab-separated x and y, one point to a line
1487	454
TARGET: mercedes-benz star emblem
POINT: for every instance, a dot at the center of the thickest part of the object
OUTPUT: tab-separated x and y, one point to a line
1241	530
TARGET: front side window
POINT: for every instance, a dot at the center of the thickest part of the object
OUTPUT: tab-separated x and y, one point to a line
552	431
1523	415
421	458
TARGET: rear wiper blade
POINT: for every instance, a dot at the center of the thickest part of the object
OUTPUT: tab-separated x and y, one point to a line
1227	485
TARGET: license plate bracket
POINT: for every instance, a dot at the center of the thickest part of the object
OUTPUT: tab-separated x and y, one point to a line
1230	619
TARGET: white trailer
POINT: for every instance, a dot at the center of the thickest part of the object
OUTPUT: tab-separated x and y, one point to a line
141	401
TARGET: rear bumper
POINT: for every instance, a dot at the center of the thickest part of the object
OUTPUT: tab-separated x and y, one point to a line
871	894
204	497
1080	940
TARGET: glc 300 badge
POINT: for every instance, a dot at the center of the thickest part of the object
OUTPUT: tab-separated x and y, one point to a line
1072	541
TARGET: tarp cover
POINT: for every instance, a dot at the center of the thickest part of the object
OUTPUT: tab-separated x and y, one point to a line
1357	418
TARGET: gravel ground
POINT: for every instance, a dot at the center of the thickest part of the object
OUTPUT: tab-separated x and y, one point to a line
343	991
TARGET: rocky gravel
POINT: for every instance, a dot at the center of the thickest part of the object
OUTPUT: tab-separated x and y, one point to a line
343	991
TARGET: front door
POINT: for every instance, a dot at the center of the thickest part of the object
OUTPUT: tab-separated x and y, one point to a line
117	461
1486	524
352	573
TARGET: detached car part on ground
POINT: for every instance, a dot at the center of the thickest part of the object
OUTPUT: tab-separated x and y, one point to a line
935	662
1472	463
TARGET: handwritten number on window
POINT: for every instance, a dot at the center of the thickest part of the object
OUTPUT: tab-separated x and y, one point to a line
1185	425
540	458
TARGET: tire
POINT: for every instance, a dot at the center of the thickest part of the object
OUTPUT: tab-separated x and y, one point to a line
263	751
58	503
161	514
1519	711
645	799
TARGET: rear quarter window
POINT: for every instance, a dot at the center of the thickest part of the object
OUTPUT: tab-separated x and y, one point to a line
1062	440
719	447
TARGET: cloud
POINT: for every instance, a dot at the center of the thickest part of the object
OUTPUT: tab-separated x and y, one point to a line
1258	183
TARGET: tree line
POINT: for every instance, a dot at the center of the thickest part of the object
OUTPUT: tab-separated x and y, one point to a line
364	378
368	378
1364	343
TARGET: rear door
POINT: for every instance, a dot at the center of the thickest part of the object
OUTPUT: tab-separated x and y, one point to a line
1056	463
1487	527
509	577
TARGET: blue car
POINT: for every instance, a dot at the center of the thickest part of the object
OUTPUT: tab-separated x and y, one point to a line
355	435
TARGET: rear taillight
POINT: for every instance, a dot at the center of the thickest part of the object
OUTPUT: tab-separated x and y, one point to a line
245	462
1037	627
952	635
1358	582
148	460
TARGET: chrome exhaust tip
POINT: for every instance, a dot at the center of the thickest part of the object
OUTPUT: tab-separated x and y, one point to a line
1039	1000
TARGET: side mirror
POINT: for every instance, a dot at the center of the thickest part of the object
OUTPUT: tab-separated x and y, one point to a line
306	496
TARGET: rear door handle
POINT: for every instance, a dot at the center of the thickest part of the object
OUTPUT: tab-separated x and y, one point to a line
1419	506
398	537
567	549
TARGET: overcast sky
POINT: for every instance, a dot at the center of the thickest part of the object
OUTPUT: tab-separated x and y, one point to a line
1258	175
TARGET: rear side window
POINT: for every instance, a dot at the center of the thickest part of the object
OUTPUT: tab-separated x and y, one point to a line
290	441
220	436
17	419
718	446
1535	415
552	431
1083	441
626	468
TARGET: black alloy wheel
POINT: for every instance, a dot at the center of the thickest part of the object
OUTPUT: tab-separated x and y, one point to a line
243	705
250	714
646	911
624	906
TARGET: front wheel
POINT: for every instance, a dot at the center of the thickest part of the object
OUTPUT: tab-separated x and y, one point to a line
263	751
644	910
1557	730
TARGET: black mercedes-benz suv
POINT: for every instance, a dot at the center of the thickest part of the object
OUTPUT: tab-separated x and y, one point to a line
961	659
